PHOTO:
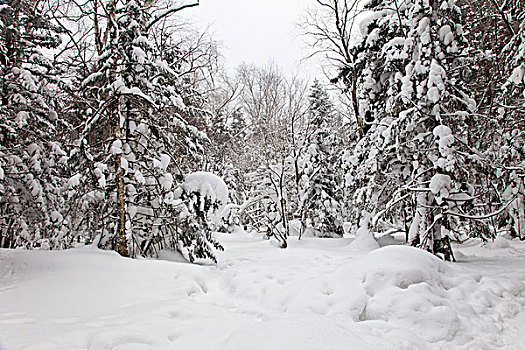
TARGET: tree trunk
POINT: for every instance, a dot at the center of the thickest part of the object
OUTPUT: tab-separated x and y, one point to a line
355	103
122	246
520	206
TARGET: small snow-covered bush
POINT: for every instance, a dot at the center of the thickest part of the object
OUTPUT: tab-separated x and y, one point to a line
204	196
207	194
194	212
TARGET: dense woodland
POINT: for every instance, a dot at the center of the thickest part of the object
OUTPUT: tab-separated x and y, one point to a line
108	105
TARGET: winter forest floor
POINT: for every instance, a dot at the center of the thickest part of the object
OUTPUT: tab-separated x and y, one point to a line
317	294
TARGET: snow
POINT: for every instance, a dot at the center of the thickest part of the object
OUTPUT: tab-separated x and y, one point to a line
116	147
27	79
74	181
164	161
433	94
446	35
139	177
139	55
367	18
435	81
445	141
100	168
56	216
164	67
518	75
124	164
423	30
364	239
135	91
316	294
167	181
120	86
207	185
440	185
439	182
442	131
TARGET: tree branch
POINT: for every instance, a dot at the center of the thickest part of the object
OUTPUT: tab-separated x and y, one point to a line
169	12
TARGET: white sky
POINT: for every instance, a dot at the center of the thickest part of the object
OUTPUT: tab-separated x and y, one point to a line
256	31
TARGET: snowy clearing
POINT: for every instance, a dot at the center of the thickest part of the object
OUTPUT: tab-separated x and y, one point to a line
317	294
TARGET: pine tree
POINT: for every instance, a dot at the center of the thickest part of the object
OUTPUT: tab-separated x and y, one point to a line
32	158
411	90
138	144
511	161
320	184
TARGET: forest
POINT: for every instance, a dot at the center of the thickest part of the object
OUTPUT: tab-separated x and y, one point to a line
151	197
107	106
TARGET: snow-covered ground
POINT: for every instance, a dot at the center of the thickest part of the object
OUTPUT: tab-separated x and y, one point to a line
317	294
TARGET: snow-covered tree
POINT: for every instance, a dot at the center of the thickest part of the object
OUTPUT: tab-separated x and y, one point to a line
320	182
137	143
32	158
259	129
267	208
410	91
511	109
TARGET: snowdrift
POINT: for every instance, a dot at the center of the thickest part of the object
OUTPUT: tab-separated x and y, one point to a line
317	294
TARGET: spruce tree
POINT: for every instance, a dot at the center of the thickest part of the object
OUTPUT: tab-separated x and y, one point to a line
137	144
32	158
407	164
320	183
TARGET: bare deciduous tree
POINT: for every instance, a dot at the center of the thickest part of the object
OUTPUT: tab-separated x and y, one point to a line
330	29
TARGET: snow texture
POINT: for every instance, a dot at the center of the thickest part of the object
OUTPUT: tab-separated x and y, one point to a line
439	182
445	141
116	147
74	181
317	294
207	185
364	239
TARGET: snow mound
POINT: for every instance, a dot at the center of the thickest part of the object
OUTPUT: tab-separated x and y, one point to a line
501	242
412	289
404	282
363	243
316	294
207	185
364	239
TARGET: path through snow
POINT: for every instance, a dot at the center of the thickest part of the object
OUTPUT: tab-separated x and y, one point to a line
317	294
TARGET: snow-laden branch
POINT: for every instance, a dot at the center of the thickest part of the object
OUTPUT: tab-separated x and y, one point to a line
481	217
94	119
389	205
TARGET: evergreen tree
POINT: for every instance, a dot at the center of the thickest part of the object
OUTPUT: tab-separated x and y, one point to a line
32	158
320	184
407	164
137	144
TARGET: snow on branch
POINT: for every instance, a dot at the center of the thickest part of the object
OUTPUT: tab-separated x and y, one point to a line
481	217
389	206
135	91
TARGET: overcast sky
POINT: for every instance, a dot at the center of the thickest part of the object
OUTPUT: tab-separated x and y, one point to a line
256	31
